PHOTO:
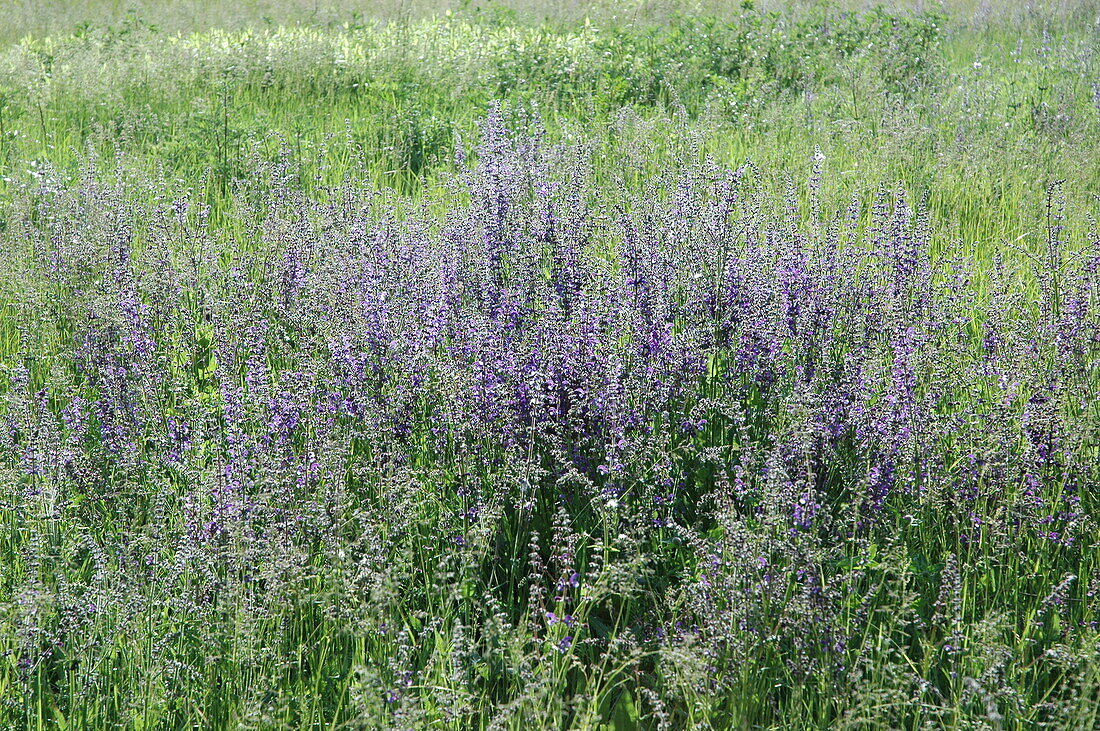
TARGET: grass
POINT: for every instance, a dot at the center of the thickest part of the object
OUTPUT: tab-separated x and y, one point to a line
240	491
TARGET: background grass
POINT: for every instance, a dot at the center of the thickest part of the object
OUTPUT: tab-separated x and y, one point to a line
980	118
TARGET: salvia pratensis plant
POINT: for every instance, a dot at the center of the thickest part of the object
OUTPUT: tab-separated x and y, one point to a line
705	453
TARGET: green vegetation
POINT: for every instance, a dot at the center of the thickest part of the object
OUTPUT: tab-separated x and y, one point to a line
272	460
981	118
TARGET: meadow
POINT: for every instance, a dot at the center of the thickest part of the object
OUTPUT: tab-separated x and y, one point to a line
657	364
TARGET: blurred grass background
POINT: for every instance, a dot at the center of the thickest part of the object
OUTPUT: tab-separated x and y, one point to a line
976	105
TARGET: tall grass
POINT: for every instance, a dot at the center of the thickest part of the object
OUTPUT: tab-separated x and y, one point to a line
489	370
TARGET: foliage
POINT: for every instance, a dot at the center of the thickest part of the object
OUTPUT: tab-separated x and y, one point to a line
460	373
